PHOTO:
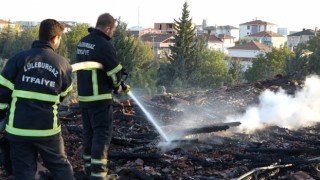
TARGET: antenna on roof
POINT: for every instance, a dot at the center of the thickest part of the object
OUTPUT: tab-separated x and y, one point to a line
138	16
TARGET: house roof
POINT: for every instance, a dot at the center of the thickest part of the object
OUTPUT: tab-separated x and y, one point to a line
210	38
156	37
258	22
252	45
3	21
228	27
266	34
308	32
225	36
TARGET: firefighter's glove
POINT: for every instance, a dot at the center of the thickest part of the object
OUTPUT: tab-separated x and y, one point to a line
117	90
125	87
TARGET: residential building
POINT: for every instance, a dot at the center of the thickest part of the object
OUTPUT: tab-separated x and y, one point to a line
137	32
4	24
299	37
269	38
228	41
245	53
160	43
255	26
27	24
213	42
227	30
165	27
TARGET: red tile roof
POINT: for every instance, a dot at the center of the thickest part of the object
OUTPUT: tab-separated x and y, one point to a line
266	34
225	36
3	21
253	45
257	22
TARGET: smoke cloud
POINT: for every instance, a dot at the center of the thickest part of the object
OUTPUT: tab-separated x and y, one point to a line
281	109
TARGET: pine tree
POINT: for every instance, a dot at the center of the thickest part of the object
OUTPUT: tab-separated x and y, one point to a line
181	51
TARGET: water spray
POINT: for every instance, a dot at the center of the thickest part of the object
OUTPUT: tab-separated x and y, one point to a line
126	89
149	116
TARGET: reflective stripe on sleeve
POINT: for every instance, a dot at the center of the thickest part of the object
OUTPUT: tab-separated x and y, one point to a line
114	70
3	106
64	93
5	82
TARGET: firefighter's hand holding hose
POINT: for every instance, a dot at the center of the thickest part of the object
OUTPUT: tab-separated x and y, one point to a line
122	88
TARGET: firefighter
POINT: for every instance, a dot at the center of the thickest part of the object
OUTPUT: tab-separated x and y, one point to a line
32	84
95	90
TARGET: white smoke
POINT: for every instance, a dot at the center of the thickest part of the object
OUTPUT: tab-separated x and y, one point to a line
281	109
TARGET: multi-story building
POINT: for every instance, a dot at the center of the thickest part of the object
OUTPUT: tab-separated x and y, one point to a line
165	27
256	26
245	53
300	37
269	38
224	30
160	43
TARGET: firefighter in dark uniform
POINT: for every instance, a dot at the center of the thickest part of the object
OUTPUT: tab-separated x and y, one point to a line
95	88
32	84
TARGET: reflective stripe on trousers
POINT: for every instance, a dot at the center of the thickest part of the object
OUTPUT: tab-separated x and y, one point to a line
97	134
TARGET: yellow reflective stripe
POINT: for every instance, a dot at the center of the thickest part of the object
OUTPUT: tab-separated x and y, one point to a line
3	106
114	80
55	116
12	109
99	161
32	132
5	82
95	82
35	95
95	98
100	174
114	70
64	93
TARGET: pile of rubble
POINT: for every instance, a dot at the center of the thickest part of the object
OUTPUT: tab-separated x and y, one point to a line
202	145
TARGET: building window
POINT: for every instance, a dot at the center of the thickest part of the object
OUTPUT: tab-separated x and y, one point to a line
248	27
170	25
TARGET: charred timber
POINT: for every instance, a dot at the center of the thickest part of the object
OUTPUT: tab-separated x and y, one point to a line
209	129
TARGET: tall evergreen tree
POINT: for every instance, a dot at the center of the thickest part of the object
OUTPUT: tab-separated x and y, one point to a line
124	45
181	51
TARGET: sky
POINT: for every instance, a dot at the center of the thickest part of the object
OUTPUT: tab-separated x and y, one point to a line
294	15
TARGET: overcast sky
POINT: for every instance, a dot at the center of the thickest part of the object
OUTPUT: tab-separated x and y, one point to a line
294	15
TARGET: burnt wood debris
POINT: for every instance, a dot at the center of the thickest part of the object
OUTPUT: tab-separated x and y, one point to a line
210	150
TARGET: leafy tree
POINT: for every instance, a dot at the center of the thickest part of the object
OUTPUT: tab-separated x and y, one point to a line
259	69
71	40
124	46
213	72
8	36
269	64
235	71
136	57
